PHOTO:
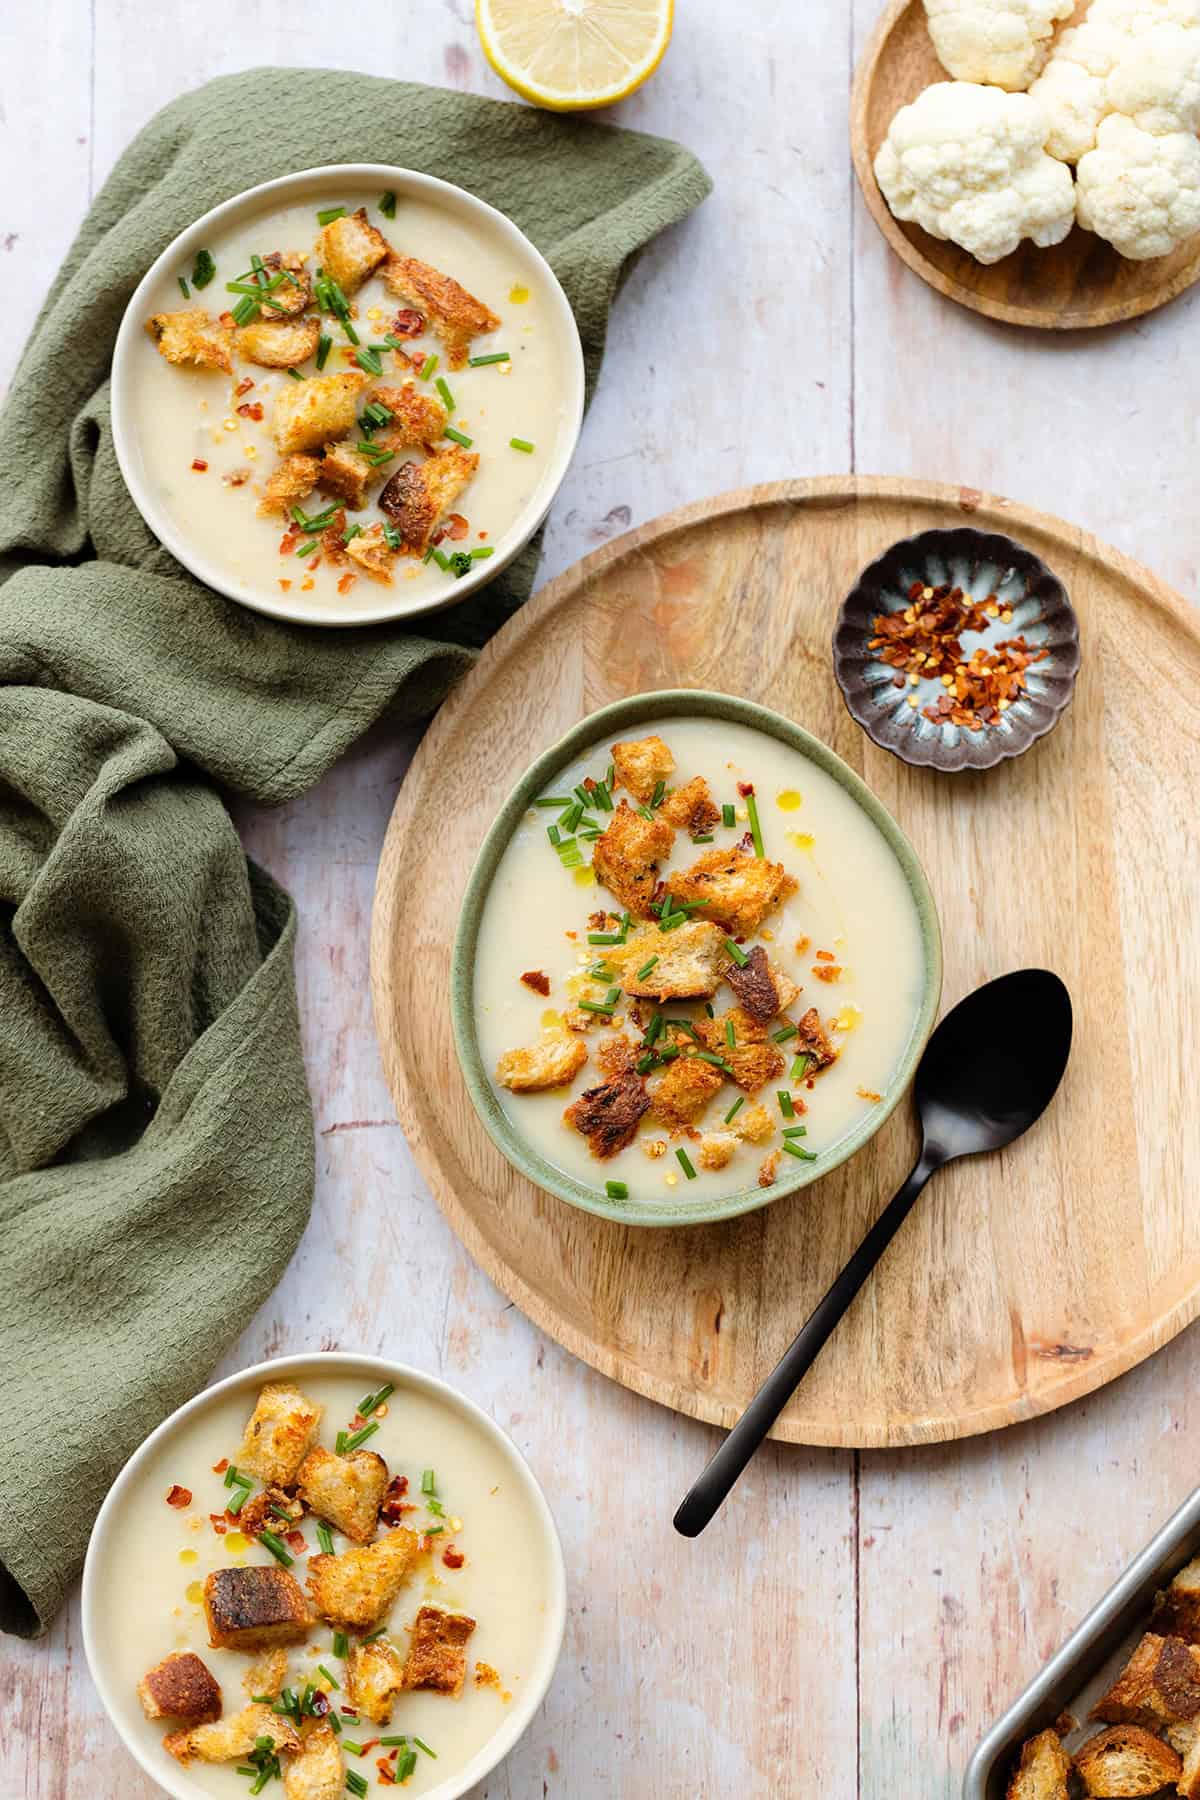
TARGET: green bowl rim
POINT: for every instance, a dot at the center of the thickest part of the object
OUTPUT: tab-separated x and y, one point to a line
669	703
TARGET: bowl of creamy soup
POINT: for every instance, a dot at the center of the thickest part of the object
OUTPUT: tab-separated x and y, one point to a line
328	1574
348	395
696	964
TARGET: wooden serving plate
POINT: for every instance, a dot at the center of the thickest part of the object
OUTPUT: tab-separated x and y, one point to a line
1080	282
1022	1280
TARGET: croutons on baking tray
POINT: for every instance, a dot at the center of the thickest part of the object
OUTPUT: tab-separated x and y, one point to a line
225	1740
345	1490
279	1433
374	1676
437	1655
180	1687
1159	1685
1044	1771
253	1608
356	1588
316	1771
1177	1607
1126	1760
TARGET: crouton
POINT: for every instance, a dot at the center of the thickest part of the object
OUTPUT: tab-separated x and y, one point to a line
715	1149
1177	1608
420	494
279	1434
316	1772
357	1588
278	343
254	1608
261	1512
345	1490
740	888
683	1093
180	1687
373	554
454	315
626	856
1125	1760
310	413
753	1124
691	806
266	1675
294	296
289	483
688	962
609	1115
553	1062
347	473
437	1656
350	250
762	990
640	765
1159	1685
193	337
374	1674
752	1060
1185	1740
768	1169
812	1042
228	1739
1043	1771
617	1057
416	418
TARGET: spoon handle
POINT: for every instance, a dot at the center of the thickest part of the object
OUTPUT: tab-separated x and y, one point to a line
731	1457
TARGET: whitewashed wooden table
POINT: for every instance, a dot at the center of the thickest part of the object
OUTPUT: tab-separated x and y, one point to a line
851	1622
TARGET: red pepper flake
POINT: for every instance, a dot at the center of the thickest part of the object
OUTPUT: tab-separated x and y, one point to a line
220	1468
407	323
535	979
453	1559
199	464
179	1497
251	409
285	585
320	1704
386	1777
236	478
295	1541
346	582
458	528
217	1521
924	639
289	540
369	1745
868	1094
826	956
745	789
392	1509
243	387
227	318
482	535
827	971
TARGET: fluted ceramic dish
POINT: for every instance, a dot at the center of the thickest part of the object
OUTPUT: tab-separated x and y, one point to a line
982	564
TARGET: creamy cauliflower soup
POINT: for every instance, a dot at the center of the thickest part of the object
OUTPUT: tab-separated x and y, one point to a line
699	965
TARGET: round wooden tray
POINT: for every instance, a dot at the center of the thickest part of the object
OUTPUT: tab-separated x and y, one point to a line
1080	282
1022	1280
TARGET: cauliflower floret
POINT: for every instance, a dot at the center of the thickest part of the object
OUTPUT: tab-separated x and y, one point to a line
968	163
1140	192
1004	42
1073	89
1137	57
1157	84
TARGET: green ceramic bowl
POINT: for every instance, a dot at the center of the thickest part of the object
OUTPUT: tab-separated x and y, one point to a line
600	728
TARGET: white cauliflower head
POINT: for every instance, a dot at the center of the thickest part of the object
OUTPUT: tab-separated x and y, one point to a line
968	163
1137	57
1004	42
1140	192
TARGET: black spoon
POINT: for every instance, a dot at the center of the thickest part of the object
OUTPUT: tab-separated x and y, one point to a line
989	1071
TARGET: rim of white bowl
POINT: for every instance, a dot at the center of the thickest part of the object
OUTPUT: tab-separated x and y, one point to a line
517	1718
180	252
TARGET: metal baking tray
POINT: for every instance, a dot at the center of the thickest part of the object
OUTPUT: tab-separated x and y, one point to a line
1073	1680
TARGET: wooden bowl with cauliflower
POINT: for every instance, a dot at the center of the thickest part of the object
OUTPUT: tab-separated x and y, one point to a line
1036	160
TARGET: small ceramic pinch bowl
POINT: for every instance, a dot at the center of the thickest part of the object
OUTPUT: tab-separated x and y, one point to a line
1030	603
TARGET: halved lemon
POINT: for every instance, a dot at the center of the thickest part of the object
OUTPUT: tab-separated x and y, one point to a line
573	54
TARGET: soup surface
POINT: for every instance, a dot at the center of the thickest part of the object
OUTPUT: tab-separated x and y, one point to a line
204	440
149	1593
786	1070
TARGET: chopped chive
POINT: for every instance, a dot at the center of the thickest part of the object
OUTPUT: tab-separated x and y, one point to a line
738	954
602	797
684	1025
799	1068
656	798
330	1678
795	1150
728	815
434	1531
324	346
457	437
353	1748
351	531
203	269
645	969
553	834
644	1064
570	819
654	1028
708	1007
232	1478
239	1500
522	444
330	214
350	332
304	549
340	1643
375	1634
704	838
596	1006
184	289
553	800
405	1764
785	1032
279	1551
481	362
428	1482
325	1538
331	1718
368	359
481	552
280	1514
735	1109
730	1036
616	1190
584	794
443	389
685	1163
785	1103
755	827
355	1783
710	1056
422	1745
604	937
795	1131
244	311
428	366
295	375
388	1743
387	204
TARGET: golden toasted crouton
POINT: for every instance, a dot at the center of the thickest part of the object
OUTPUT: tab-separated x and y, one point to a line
228	1739
768	1169
1185	1740
812	1042
311	413
292	481
640	765
1177	1608
691	806
180	1687
350	249
751	1058
254	1608
262	1512
1159	1685
753	1124
374	1674
373	554
451	312
348	474
356	1588
293	296
346	1490
316	1771
740	888
275	343
437	1656
684	1092
266	1675
553	1062
608	1115
193	337
715	1149
626	858
762	990
1125	1760
420	494
688	962
416	418
279	1433
1043	1772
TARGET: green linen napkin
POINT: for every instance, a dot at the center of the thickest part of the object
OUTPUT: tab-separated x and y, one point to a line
156	1144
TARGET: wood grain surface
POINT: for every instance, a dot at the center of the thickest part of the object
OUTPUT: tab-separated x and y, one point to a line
1078	283
1023	1280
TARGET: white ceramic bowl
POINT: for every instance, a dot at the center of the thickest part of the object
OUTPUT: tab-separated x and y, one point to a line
372	603
143	1739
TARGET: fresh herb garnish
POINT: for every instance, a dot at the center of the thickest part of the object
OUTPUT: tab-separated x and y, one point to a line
685	1163
184	289
497	356
795	1150
755	827
786	1031
616	1190
325	1538
387	204
331	213
458	437
785	1103
324	346
203	269
444	390
738	954
279	1551
521	444
735	1109
728	815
